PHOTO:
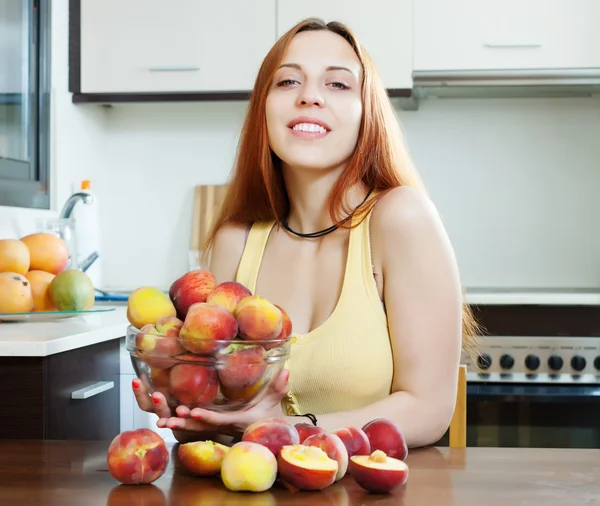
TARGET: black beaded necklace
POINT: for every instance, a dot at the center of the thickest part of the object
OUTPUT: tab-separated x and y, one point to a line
325	231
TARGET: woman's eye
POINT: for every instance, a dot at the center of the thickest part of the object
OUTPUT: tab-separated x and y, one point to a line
340	86
286	82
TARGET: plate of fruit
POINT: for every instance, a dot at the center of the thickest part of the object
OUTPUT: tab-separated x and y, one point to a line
36	283
208	345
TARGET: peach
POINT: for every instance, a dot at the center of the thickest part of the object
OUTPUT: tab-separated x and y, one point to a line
242	367
306	467
274	433
245	394
191	288
377	472
258	319
155	349
228	294
355	440
47	252
40	284
14	256
146	305
204	326
286	330
386	435
169	326
194	384
202	458
248	467
334	448
161	380
15	293
307	429
137	456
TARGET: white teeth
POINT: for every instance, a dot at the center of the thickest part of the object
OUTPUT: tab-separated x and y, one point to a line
309	127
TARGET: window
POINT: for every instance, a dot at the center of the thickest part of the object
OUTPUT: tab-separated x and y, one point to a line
24	103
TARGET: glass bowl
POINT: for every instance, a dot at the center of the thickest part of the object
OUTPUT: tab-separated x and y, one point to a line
226	376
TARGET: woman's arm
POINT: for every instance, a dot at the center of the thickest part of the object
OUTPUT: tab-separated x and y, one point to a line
423	299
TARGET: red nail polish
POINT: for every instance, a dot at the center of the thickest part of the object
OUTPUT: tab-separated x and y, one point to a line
155	400
136	383
287	375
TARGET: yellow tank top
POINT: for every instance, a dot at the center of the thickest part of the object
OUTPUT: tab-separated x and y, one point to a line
346	362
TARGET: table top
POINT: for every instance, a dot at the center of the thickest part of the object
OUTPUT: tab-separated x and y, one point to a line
41	339
64	473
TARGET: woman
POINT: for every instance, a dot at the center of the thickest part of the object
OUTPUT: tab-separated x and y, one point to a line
326	217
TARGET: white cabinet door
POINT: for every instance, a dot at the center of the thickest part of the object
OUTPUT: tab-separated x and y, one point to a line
383	27
173	46
506	34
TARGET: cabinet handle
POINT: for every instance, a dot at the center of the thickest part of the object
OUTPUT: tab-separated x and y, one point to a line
91	390
176	68
497	45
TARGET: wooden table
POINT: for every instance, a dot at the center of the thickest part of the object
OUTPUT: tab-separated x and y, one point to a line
69	473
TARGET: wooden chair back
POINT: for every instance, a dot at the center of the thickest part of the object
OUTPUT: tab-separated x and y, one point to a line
458	425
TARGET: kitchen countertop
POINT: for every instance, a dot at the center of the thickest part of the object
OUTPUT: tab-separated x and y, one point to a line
40	339
74	473
532	296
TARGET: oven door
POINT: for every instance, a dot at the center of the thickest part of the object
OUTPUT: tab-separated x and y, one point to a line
542	416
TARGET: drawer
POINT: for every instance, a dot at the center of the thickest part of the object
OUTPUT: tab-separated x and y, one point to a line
83	393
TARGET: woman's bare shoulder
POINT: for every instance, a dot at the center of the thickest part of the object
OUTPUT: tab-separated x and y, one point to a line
227	250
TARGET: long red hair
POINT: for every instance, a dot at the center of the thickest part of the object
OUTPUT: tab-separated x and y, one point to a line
256	191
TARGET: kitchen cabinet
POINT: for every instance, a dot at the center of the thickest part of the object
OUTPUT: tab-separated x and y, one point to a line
180	46
69	395
508	34
383	27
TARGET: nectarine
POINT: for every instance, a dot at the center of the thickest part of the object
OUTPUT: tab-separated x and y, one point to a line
377	472
202	458
138	456
355	440
334	448
306	467
243	366
228	294
157	350
146	305
204	326
258	319
194	385
192	287
386	435
248	467
307	429
274	433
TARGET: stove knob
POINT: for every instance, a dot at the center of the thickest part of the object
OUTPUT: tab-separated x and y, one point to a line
578	363
532	362
506	361
597	363
555	362
484	361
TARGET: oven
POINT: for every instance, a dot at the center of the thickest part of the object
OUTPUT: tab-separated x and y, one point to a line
535	392
537	383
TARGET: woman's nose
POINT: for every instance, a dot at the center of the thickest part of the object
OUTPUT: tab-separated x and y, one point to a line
310	95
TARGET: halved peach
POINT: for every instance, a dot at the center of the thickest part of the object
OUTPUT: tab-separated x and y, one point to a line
306	467
377	472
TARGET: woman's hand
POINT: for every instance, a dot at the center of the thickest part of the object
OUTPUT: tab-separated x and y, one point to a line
155	403
234	423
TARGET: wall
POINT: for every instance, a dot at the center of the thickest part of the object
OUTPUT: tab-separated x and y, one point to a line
515	181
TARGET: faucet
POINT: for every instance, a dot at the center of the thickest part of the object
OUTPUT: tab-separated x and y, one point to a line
66	212
67	209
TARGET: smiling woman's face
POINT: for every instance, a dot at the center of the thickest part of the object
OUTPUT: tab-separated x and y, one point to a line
314	105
